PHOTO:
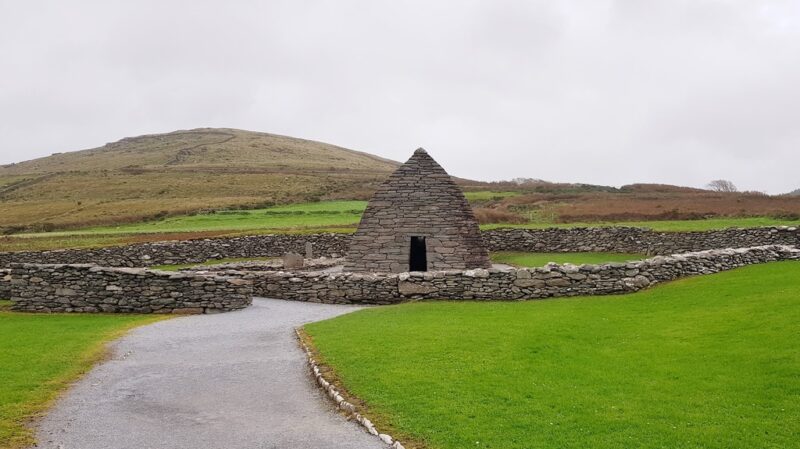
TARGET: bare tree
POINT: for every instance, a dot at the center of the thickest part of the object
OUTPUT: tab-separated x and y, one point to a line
722	185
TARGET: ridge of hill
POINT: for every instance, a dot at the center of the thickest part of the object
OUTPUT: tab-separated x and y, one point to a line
138	178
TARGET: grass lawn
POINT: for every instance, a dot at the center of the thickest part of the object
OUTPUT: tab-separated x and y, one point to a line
524	259
41	354
704	362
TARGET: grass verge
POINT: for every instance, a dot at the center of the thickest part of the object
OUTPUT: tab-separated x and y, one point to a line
707	362
525	259
41	355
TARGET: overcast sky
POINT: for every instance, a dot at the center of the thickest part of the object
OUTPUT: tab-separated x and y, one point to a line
604	92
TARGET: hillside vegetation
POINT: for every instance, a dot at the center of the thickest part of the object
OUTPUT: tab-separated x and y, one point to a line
157	175
140	181
543	202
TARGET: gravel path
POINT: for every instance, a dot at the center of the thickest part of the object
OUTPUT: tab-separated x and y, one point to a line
236	381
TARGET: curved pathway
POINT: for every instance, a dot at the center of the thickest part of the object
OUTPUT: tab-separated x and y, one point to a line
236	381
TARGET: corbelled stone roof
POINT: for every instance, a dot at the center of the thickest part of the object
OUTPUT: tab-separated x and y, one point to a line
418	199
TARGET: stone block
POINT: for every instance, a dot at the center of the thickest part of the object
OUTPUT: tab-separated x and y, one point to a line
188	311
528	283
557	282
292	261
407	288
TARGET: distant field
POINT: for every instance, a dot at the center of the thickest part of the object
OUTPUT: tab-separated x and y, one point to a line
488	195
707	362
41	355
523	259
297	216
325	216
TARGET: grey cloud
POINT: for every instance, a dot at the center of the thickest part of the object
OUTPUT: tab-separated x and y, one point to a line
608	92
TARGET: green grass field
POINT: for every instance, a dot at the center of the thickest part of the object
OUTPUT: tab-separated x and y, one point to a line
523	259
488	195
346	214
705	362
297	216
326	216
41	354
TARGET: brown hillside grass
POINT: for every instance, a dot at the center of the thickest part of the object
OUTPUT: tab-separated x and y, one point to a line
183	172
488	216
155	176
649	205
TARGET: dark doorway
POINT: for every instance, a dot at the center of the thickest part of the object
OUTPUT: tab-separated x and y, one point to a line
418	257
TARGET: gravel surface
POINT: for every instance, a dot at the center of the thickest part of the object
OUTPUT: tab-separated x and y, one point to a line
236	380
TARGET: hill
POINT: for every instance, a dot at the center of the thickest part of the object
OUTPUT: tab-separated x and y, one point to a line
148	178
156	175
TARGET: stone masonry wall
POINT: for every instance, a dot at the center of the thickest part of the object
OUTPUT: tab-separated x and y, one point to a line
418	200
187	251
5	284
633	240
549	281
89	288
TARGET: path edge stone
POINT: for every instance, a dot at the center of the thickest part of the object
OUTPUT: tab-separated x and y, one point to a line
349	409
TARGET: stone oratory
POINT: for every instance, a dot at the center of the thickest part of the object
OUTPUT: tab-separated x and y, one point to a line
418	220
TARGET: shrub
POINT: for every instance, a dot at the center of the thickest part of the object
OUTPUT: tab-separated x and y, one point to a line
785	215
486	216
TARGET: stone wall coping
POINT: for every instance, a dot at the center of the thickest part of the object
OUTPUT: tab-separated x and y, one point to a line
92	268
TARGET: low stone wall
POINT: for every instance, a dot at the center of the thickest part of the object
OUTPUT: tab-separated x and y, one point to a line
187	251
632	240
635	240
89	288
5	284
549	281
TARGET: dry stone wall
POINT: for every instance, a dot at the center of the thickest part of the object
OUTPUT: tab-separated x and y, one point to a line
187	251
5	283
89	288
550	281
633	240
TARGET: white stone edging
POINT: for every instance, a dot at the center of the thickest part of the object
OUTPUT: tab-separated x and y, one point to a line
341	403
